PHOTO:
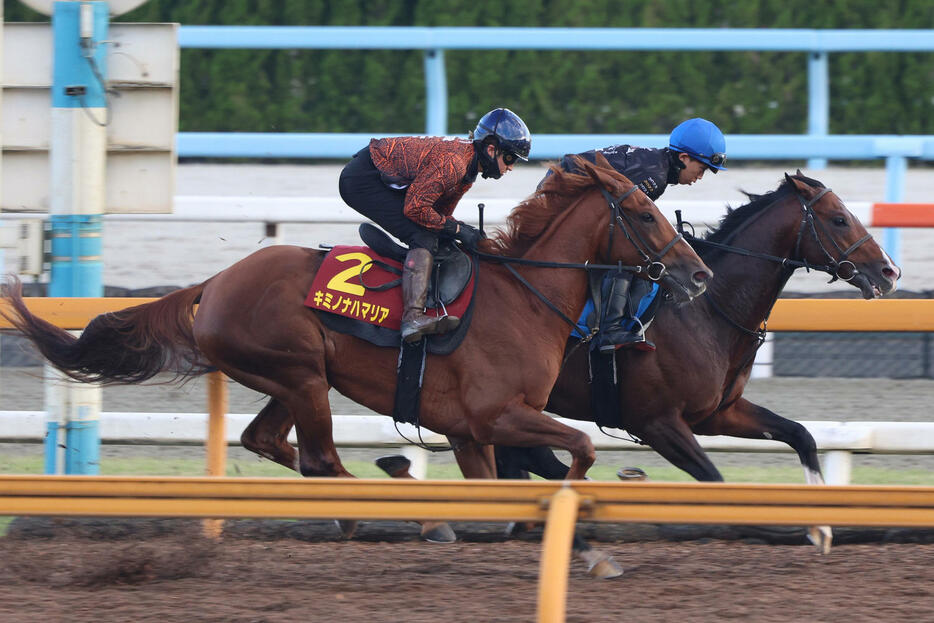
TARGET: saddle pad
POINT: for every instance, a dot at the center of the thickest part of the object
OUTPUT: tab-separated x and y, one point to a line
343	286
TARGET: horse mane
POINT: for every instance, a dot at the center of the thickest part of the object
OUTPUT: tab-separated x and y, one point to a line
527	221
734	218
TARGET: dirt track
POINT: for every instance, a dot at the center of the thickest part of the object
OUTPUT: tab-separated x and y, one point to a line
118	570
298	571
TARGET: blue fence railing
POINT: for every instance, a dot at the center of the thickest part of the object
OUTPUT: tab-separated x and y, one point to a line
816	145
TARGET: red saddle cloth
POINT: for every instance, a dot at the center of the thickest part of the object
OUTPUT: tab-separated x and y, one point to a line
342	284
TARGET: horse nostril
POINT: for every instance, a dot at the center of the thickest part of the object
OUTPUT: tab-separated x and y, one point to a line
892	273
701	276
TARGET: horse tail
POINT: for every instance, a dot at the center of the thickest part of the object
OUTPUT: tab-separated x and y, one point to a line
123	347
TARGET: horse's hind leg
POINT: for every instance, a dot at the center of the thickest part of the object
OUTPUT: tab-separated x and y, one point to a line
267	435
306	402
750	421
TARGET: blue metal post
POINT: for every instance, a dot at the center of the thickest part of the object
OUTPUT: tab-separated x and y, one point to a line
78	152
895	169
436	92
818	101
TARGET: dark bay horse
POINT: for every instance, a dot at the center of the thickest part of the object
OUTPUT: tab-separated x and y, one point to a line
693	383
251	324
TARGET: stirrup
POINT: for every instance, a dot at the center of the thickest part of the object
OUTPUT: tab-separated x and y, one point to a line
629	340
411	332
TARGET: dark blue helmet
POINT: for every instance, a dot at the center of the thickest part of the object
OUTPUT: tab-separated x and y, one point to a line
701	140
506	130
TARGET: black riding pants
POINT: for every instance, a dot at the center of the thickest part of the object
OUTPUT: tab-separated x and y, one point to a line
362	188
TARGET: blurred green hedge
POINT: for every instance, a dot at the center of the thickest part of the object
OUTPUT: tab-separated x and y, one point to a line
554	91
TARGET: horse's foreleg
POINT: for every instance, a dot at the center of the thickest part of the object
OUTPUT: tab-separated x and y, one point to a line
476	460
516	463
670	436
750	421
267	435
522	425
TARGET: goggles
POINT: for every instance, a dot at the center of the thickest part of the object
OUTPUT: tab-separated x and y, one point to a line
509	158
717	159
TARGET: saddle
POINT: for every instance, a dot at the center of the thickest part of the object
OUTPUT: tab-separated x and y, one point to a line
452	269
360	289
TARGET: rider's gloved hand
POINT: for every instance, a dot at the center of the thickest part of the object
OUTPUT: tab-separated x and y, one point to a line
469	235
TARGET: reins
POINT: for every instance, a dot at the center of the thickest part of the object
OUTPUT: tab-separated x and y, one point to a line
652	266
808	220
833	268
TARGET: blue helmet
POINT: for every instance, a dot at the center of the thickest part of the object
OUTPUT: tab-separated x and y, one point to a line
701	140
506	130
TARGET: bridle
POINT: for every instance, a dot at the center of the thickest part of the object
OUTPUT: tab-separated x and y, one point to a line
654	268
834	267
838	268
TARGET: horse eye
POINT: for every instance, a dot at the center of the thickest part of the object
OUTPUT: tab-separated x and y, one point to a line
839	221
647	217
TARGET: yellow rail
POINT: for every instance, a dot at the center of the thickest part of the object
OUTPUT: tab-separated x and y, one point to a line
471	500
788	315
560	503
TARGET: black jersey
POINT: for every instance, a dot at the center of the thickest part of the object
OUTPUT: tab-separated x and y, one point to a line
652	170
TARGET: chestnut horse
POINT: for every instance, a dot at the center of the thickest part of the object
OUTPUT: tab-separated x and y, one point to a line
252	325
693	383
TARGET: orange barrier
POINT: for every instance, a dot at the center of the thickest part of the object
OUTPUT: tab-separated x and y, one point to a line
902	215
852	315
74	312
788	315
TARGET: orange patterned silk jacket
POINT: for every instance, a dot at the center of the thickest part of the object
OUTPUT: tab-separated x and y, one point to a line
433	168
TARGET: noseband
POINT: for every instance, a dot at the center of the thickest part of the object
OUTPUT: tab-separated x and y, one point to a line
652	266
835	267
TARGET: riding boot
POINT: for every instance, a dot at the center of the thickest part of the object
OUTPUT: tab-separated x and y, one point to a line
416	273
612	335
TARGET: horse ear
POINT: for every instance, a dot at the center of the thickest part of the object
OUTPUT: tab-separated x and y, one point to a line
799	173
599	172
798	184
601	160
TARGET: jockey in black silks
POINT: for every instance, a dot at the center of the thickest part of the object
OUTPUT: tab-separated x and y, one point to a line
694	147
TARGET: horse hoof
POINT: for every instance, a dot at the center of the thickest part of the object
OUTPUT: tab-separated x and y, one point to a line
515	528
600	565
438	532
347	527
605	570
821	537
631	473
395	465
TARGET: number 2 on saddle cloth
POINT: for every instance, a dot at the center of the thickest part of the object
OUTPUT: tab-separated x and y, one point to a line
360	289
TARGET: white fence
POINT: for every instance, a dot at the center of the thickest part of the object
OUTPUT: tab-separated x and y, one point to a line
837	440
